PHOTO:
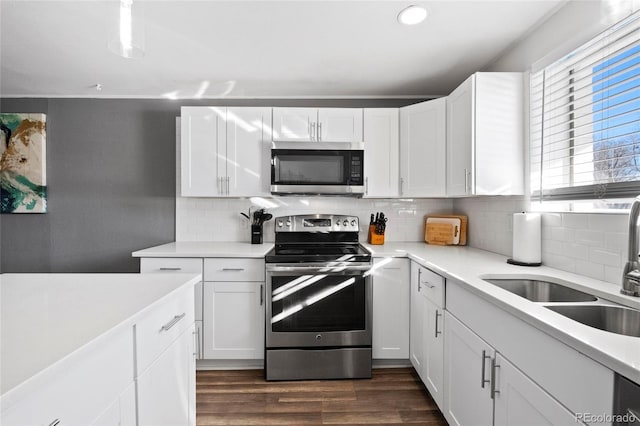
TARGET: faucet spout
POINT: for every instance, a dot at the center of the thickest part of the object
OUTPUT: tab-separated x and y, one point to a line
631	274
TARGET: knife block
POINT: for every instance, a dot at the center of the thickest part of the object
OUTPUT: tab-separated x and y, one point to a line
256	234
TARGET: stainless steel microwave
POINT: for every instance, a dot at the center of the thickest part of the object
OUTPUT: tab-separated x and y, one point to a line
318	169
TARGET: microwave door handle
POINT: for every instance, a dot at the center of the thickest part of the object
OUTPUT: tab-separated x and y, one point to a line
276	169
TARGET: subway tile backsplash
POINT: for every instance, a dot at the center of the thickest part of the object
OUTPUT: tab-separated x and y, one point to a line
215	219
590	244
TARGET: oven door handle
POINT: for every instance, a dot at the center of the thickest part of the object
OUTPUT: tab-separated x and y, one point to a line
334	269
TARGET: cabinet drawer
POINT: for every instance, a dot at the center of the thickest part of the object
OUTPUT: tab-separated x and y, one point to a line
233	269
77	389
165	264
431	285
182	265
161	326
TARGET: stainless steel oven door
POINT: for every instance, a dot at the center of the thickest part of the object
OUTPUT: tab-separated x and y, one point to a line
311	306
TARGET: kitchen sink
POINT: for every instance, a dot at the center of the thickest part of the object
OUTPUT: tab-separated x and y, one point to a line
615	319
541	290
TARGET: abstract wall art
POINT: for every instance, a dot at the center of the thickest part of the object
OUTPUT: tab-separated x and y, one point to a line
23	178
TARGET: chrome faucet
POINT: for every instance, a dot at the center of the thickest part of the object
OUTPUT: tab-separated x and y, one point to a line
631	274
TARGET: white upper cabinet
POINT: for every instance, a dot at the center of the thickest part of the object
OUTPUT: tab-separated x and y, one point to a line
294	124
224	151
317	124
423	149
248	155
339	125
485	136
202	151
381	148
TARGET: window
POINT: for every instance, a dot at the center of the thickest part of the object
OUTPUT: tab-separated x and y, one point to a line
585	120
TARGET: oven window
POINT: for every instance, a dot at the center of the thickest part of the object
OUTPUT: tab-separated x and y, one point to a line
310	169
316	303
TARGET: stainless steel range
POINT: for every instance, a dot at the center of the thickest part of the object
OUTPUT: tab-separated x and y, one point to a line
318	323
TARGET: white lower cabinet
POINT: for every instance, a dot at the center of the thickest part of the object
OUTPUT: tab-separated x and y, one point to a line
502	371
122	412
519	401
390	338
416	330
467	376
233	320
166	389
433	352
427	329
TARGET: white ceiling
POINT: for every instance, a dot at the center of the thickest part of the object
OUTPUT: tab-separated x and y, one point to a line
256	49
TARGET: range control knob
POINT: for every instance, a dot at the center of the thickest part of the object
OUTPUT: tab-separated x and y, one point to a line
279	224
337	223
353	223
345	223
288	223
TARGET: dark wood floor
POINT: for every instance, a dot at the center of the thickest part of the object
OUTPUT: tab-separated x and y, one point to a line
392	396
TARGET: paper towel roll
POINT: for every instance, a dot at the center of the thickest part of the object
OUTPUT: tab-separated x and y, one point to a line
527	238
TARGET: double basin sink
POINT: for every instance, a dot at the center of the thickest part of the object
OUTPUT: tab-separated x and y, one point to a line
577	305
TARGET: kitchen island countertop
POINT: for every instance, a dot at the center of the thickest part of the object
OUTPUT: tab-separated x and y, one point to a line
46	318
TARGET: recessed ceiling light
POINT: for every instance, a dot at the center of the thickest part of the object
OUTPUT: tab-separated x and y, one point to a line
412	15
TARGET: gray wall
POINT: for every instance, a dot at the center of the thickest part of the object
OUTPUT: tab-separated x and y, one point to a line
111	181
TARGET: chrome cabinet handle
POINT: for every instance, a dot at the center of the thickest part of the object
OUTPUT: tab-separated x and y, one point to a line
198	339
56	422
173	322
219	184
319	131
484	358
171	269
366	186
261	294
419	273
428	285
466	181
196	348
313	131
494	367
232	269
401	186
438	314
390	267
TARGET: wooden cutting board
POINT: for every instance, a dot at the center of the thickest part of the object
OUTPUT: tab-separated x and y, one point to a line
442	231
446	230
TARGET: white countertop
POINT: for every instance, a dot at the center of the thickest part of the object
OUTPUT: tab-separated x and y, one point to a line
46	317
205	249
467	265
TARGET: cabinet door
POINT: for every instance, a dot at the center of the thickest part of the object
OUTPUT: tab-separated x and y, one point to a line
294	124
460	139
498	138
391	309
339	125
433	352
164	389
248	156
233	320
423	149
381	147
519	401
416	327
467	398
202	151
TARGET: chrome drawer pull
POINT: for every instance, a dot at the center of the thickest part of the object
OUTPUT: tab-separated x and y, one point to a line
171	269
232	269
173	322
427	284
438	314
494	366
484	358
56	422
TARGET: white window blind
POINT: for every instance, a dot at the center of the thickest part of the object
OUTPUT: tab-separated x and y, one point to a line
585	120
